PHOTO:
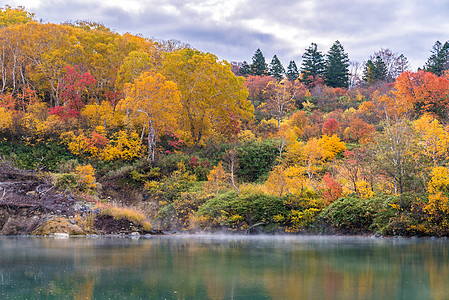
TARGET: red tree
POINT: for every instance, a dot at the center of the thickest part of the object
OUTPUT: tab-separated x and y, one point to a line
331	127
74	85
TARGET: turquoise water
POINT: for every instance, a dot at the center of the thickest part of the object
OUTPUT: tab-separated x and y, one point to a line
224	267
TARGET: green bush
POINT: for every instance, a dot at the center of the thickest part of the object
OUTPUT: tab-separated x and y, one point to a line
65	181
256	159
43	155
352	214
169	163
246	208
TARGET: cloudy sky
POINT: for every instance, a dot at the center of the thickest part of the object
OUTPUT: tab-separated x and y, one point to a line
234	29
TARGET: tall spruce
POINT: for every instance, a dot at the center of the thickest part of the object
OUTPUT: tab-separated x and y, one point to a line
244	69
292	71
336	72
375	71
438	62
313	64
395	63
276	69
259	66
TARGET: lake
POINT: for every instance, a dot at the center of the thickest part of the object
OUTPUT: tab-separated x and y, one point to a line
224	267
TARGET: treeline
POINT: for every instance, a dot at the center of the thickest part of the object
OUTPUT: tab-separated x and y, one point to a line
334	69
159	122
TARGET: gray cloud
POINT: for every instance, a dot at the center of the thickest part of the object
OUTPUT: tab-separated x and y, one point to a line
281	27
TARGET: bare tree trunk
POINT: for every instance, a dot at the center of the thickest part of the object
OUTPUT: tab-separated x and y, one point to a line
151	140
231	158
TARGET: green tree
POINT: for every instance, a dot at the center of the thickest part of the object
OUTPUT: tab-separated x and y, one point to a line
336	72
438	62
276	69
313	64
244	69
292	71
259	66
393	151
395	64
375	71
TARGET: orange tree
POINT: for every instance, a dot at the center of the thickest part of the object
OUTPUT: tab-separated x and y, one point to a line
423	91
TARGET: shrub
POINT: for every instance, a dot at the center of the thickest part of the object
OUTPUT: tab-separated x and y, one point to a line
179	213
256	159
246	208
352	214
65	181
40	155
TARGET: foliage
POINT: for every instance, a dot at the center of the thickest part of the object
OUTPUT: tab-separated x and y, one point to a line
13	16
86	177
332	189
123	146
292	71
275	69
216	180
155	100
423	92
212	96
336	71
352	214
281	98
239	211
89	104
313	64
258	66
40	155
330	127
375	71
256	159
437	63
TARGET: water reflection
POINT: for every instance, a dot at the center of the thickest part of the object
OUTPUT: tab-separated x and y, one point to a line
236	267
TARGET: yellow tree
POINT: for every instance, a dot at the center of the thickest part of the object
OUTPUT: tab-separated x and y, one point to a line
437	207
133	65
216	180
155	99
212	96
308	159
313	159
102	114
50	48
332	146
433	138
11	16
289	180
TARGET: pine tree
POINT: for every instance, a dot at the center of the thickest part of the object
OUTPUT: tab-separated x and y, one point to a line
401	65
312	64
259	66
375	71
336	72
276	69
438	62
292	71
244	69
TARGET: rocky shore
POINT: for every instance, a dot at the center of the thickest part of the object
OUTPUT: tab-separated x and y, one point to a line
30	205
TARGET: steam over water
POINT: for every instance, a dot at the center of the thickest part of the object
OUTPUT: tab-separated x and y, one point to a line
224	267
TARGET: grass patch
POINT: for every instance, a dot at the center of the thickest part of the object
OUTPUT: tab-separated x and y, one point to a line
128	213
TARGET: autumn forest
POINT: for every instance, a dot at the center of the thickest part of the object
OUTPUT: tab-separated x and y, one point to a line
199	144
